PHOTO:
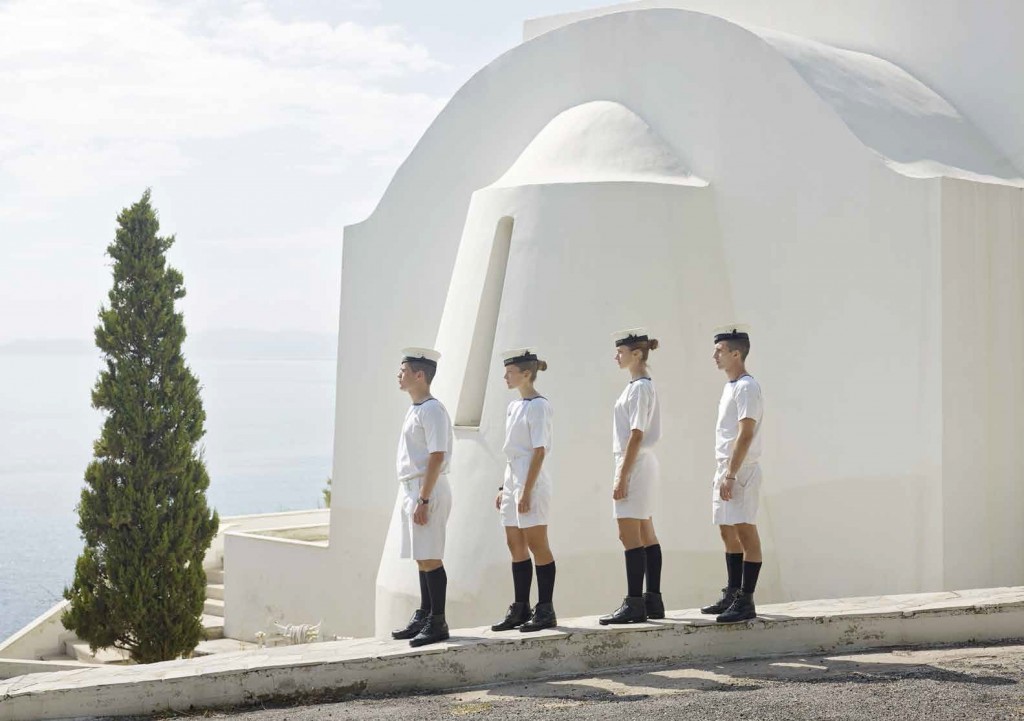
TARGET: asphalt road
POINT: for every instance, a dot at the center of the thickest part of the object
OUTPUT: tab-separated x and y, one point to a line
973	683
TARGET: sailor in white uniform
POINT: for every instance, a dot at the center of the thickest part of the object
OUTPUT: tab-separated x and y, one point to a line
524	498
636	429
737	482
424	494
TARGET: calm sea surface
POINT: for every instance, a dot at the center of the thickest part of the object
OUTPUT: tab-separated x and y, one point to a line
268	448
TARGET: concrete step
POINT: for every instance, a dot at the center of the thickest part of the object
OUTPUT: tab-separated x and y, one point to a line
65	640
84	654
60	658
213	627
213	607
215	590
14	667
221	645
215	575
477	656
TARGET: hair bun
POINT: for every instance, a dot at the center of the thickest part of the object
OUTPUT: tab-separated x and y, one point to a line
542	365
653	343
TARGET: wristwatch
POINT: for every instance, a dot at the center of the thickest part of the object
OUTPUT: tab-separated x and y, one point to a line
424	501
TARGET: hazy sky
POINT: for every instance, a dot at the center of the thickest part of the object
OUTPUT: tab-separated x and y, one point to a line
262	128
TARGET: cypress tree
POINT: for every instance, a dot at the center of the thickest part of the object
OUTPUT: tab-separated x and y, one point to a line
139	583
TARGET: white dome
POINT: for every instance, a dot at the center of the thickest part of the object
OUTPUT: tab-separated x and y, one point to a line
596	142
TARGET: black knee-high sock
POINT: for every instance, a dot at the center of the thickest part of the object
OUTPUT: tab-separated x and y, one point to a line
734	564
636	562
653	554
751	570
522	579
437	581
545	582
424	592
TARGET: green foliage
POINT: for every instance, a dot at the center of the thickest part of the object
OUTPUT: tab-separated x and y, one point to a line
139	583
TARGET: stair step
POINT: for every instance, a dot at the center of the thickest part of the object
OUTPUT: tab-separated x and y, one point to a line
103	655
213	632
215	575
213	627
213	607
60	658
221	645
215	590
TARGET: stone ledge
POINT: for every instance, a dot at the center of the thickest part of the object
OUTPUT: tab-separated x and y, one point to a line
478	656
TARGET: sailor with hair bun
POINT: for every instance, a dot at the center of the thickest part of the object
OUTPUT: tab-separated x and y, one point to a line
524	498
636	428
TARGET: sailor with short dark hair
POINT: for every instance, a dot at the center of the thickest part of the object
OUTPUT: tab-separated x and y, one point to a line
636	429
524	498
424	494
737	483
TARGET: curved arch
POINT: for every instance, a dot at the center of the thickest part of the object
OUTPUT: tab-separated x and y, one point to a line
677	68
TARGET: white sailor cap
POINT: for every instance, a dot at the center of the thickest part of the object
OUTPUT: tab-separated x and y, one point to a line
519	355
421	355
630	336
736	331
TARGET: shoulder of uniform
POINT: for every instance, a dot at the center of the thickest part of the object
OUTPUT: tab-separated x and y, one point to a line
641	385
540	404
433	407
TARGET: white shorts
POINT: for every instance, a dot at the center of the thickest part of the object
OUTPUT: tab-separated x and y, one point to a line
424	542
642	494
746	490
512	492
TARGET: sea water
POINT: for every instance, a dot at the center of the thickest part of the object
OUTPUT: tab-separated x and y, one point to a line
267	448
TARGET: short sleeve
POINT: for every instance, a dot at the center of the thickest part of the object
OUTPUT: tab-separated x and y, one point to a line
641	406
748	402
538	417
435	427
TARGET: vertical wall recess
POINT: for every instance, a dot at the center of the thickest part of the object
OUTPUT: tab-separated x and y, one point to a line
481	352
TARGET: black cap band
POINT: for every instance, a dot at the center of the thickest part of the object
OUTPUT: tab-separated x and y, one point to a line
426	361
630	340
525	358
731	335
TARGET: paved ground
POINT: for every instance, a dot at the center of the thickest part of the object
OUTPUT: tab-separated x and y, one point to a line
933	685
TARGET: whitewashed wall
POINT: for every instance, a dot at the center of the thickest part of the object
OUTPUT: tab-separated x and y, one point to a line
970	51
983	391
803	232
42	637
275	580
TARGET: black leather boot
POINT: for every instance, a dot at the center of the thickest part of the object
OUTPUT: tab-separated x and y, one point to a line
416	623
722	605
631	611
435	630
543	617
654	605
742	609
518	613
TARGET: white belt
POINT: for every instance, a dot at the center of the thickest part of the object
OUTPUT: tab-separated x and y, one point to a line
407	481
746	464
643	451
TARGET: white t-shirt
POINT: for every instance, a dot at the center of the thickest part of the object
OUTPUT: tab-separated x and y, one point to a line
427	429
741	399
527	426
636	409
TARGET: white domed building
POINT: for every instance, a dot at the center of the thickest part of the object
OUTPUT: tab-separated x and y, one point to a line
845	177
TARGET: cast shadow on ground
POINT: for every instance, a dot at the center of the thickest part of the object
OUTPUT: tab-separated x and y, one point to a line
634	684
